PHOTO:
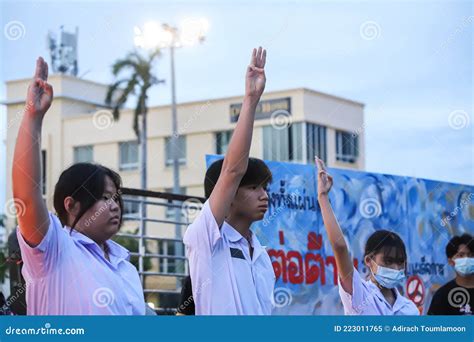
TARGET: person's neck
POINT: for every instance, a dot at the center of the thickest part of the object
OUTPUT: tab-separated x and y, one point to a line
465	281
240	224
387	293
102	244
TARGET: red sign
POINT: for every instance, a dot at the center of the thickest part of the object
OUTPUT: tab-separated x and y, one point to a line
415	290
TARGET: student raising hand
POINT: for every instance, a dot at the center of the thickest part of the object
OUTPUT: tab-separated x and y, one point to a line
68	258
40	92
384	255
341	251
255	77
237	157
26	171
324	179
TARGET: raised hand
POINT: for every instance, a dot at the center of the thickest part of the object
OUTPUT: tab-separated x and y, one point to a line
40	92
26	169
324	179
255	77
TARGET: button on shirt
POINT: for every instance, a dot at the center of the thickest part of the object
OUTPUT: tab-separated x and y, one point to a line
67	274
225	280
367	299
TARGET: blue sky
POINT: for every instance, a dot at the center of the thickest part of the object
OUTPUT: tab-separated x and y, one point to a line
415	75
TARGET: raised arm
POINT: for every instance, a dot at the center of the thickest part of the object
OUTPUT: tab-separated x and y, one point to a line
341	252
236	158
26	173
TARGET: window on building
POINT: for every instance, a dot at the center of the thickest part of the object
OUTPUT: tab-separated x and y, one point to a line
181	151
128	155
170	211
131	209
83	154
222	141
284	144
347	148
170	265
315	142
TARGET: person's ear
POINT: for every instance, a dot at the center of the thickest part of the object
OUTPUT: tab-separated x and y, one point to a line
369	262
451	262
72	206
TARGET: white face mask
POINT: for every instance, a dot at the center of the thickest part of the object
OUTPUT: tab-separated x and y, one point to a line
388	277
464	266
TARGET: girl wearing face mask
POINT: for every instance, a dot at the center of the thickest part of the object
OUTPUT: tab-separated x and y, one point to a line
385	257
457	296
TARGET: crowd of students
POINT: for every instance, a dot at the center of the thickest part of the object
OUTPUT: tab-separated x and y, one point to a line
70	261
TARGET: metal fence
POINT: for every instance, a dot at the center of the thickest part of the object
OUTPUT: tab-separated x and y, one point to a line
150	219
145	230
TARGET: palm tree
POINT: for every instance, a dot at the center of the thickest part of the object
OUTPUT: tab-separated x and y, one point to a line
139	80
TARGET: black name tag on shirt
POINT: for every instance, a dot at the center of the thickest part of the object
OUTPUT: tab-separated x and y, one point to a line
236	253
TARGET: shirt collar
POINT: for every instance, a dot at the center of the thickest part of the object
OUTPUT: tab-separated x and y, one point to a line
115	249
233	235
399	299
400	302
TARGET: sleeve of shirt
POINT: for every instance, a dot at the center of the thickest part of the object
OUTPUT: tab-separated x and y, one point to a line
39	260
202	235
354	304
200	239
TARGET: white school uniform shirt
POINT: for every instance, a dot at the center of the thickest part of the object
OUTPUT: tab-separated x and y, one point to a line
225	280
67	274
367	299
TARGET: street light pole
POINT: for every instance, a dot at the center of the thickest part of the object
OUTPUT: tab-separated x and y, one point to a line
143	152
175	135
143	208
152	36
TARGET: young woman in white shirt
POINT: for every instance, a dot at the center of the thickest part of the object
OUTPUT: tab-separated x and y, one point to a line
385	256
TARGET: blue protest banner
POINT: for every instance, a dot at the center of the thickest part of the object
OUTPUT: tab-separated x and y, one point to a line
425	213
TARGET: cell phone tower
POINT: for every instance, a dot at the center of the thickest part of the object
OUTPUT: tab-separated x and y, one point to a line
64	52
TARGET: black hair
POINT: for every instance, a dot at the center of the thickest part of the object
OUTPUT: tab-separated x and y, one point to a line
385	241
85	183
257	173
453	245
186	305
